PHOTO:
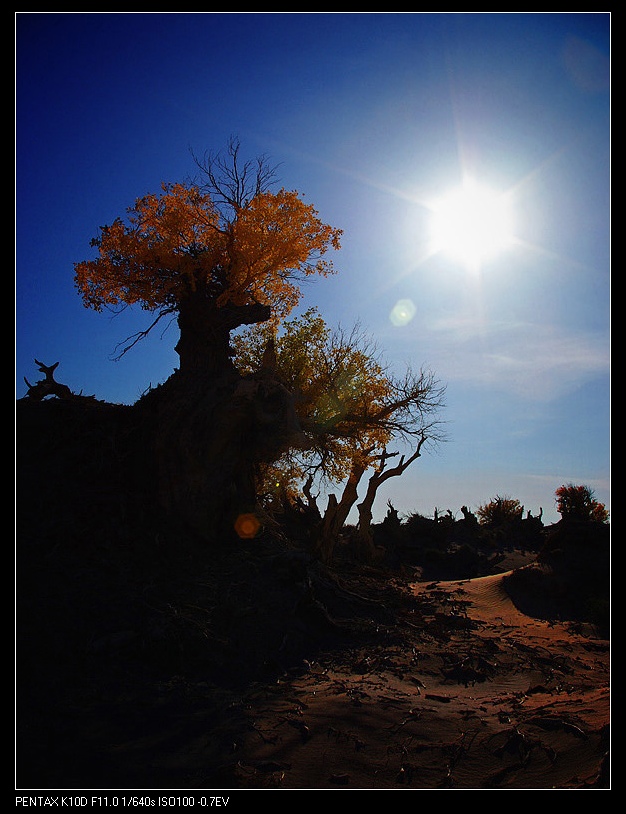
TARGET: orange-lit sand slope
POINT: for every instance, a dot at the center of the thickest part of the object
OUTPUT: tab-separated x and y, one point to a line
481	697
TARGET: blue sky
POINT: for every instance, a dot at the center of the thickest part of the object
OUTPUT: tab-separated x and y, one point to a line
372	117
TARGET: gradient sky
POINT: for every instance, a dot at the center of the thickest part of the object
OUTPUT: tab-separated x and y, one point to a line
372	117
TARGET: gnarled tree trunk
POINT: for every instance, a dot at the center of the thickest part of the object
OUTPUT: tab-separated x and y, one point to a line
211	426
367	550
204	343
336	515
209	437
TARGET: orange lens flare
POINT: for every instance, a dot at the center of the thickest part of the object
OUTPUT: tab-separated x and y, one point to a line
247	526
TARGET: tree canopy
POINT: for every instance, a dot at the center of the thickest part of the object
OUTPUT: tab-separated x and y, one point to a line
224	254
175	245
350	408
337	382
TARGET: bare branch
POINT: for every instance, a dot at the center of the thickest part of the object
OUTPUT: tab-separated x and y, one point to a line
233	183
133	339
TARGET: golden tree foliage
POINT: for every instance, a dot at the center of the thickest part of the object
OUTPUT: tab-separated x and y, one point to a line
338	386
177	245
348	406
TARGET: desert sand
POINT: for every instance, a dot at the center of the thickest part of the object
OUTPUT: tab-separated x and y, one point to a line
484	698
253	675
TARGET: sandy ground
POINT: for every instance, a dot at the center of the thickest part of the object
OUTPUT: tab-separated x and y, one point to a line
487	699
147	660
454	689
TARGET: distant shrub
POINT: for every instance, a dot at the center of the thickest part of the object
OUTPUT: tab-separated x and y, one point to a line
426	532
579	503
500	510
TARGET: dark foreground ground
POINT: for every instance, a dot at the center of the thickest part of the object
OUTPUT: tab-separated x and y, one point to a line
262	670
147	660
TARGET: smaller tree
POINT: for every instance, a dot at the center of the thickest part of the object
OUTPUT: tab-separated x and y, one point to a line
350	408
579	503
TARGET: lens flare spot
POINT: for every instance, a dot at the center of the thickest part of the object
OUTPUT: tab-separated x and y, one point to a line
247	526
402	313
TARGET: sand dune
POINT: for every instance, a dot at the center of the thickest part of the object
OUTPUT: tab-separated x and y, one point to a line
485	697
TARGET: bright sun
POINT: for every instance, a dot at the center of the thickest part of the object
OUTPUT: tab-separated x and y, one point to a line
471	224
